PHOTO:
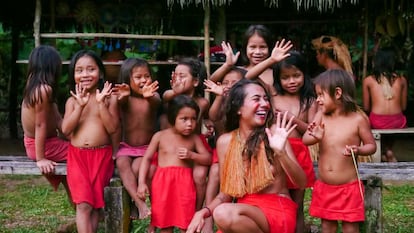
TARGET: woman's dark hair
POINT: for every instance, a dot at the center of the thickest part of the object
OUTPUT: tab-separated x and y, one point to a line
75	59
198	71
128	65
260	30
383	64
307	92
44	68
179	102
334	78
234	102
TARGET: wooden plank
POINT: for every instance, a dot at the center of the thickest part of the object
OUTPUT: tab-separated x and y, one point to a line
409	130
121	36
399	171
27	168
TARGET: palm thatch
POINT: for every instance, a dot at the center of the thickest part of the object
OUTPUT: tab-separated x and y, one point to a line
321	5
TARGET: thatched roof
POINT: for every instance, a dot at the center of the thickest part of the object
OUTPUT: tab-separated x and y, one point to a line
321	5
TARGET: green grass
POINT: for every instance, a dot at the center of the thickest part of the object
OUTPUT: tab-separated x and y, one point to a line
28	204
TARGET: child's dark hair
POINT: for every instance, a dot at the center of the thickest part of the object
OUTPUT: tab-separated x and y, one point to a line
384	64
338	78
260	30
74	60
307	92
198	71
179	102
234	102
45	66
128	65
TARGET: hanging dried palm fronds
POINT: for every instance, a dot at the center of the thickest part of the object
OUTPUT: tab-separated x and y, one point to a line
321	5
183	3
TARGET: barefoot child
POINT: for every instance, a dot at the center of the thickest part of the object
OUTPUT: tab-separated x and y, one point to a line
139	115
173	192
296	96
343	132
89	120
40	117
187	79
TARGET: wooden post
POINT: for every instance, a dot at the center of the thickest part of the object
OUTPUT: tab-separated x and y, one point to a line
117	209
373	204
36	22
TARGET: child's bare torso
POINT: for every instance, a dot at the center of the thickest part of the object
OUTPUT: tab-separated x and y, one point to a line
139	121
334	167
90	131
168	148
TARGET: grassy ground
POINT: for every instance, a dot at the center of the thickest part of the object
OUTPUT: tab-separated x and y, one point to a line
29	204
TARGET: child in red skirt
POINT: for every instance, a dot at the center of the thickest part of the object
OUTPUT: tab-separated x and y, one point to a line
89	122
178	149
342	131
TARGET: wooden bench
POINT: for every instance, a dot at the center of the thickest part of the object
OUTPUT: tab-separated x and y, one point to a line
117	209
376	157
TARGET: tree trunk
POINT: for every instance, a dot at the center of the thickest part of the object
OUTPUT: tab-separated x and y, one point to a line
36	22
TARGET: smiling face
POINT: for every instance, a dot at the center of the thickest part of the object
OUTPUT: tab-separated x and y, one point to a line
257	49
140	75
230	79
291	79
256	106
185	78
324	100
86	73
186	121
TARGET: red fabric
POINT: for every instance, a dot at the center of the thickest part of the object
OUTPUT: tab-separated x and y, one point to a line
205	143
303	156
280	211
338	202
154	160
130	151
89	171
215	156
173	197
397	121
56	149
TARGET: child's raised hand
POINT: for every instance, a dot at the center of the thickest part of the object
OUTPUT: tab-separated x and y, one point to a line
231	58
149	89
183	153
106	92
121	90
316	130
213	87
280	51
142	191
177	84
279	132
81	95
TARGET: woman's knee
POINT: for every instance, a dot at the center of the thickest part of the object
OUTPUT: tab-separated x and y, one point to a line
224	215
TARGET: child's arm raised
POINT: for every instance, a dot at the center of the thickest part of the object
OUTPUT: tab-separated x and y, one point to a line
149	92
279	52
315	131
215	108
73	109
231	60
108	110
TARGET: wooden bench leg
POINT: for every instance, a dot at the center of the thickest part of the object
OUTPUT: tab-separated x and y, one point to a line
373	204
376	157
117	207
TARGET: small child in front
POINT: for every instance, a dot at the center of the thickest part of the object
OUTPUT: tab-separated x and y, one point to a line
342	130
173	192
89	121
